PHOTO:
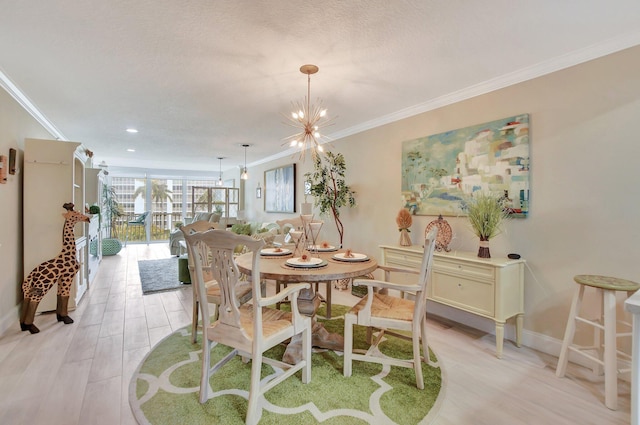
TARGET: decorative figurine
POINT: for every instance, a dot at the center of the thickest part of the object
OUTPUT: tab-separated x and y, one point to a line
404	220
61	270
444	233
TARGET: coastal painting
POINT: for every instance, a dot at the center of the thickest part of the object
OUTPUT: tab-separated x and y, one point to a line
441	171
280	189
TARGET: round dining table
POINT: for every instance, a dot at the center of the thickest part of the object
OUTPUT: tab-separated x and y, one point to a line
275	267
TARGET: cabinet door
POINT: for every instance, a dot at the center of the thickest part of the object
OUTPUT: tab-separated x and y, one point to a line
94	254
464	293
399	258
81	276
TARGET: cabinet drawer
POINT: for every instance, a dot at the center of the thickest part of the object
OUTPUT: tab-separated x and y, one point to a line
472	270
470	295
403	259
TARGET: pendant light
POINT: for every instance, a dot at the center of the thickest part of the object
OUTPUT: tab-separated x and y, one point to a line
220	183
245	175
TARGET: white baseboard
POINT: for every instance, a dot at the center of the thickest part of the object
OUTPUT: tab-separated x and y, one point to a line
537	341
10	320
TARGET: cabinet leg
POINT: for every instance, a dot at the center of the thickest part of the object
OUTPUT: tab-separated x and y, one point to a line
499	339
519	323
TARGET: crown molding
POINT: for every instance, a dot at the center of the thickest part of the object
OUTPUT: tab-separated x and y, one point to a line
558	63
540	69
17	94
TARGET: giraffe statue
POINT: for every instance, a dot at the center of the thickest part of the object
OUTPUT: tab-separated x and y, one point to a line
60	270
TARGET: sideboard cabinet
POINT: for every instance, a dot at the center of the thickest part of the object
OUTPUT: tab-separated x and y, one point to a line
488	287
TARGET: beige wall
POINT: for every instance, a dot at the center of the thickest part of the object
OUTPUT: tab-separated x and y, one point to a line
585	153
584	186
15	125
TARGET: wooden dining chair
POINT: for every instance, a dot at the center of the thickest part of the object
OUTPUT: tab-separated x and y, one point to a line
288	224
388	314
249	329
212	289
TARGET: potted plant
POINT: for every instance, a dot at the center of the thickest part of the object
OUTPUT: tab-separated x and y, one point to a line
486	215
328	187
112	210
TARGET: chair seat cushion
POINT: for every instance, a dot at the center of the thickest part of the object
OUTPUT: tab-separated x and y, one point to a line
388	307
273	320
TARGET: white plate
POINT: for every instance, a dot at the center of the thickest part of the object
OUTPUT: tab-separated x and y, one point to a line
320	248
272	251
311	262
356	257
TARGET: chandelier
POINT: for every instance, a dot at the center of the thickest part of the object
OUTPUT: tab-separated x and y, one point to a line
308	119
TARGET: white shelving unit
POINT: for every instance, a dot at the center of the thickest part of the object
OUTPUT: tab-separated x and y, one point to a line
54	173
94	180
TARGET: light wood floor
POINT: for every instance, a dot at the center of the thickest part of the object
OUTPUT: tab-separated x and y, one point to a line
80	373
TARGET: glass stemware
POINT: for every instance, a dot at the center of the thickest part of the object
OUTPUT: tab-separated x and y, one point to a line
298	240
314	230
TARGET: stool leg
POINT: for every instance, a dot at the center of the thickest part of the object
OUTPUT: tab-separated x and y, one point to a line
569	332
610	351
598	369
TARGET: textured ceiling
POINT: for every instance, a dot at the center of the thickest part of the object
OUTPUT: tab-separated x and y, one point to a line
198	78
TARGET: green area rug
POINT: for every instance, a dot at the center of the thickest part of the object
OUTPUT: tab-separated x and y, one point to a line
164	390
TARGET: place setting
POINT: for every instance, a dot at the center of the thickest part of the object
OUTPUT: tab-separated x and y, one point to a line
349	257
305	261
323	247
275	252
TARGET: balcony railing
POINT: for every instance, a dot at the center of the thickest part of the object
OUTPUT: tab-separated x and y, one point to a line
162	223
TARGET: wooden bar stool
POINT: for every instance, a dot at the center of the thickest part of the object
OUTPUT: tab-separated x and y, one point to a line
607	286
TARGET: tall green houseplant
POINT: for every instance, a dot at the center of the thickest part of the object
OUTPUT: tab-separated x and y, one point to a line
328	187
111	210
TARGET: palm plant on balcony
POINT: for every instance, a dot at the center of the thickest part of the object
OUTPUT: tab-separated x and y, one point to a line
111	211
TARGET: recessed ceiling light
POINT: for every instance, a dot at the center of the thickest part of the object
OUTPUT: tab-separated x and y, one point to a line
131	150
131	130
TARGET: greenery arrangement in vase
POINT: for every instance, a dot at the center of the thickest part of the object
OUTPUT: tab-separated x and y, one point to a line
328	187
486	215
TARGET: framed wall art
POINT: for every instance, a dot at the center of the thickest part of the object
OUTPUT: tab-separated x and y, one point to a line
280	189
441	171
